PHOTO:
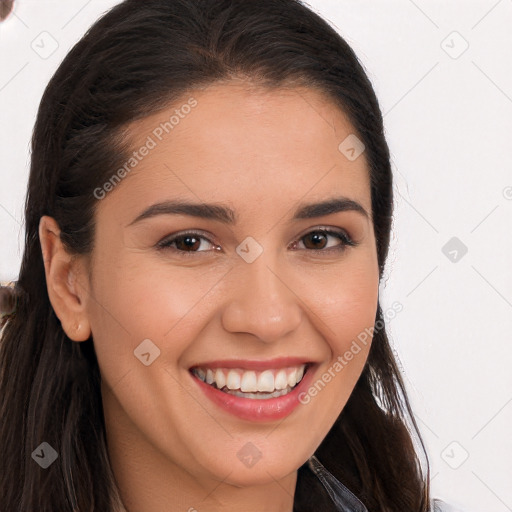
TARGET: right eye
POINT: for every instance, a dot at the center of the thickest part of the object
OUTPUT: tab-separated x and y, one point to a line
187	243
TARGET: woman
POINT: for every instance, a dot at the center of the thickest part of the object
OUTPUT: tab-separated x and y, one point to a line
196	323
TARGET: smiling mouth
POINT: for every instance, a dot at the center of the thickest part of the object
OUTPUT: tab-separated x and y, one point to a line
271	383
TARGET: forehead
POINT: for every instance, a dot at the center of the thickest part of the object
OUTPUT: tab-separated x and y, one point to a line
244	145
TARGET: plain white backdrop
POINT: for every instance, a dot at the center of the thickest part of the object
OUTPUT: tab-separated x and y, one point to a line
443	74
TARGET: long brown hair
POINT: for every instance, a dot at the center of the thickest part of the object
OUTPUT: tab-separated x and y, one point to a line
135	60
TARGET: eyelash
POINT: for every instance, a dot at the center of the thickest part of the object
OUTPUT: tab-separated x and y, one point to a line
344	238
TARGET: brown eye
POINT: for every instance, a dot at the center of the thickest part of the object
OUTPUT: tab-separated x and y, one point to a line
187	244
315	240
318	240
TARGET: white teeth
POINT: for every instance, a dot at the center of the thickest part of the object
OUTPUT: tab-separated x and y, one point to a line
281	380
249	382
233	380
268	382
275	394
220	379
292	378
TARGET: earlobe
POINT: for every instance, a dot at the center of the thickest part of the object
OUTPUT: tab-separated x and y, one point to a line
61	269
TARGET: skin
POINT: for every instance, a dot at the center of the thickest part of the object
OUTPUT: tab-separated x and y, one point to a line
262	153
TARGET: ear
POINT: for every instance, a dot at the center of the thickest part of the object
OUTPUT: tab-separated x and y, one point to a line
62	270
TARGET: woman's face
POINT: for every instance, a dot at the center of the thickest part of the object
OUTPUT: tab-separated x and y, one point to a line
245	283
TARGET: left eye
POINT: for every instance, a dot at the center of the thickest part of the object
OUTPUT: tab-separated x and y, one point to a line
316	240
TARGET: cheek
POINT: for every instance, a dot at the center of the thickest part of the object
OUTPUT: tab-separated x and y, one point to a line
344	299
133	303
352	312
345	306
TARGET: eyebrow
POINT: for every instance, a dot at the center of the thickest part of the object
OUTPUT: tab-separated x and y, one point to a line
226	215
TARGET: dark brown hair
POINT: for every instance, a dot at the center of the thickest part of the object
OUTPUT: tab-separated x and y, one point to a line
135	60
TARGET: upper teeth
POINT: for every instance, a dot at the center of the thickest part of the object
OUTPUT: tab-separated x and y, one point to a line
249	380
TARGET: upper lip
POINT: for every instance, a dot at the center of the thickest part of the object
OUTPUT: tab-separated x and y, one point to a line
261	365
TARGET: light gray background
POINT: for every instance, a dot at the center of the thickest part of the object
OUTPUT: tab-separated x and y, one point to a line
448	118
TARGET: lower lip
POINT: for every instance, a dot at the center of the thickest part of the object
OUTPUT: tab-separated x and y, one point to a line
254	409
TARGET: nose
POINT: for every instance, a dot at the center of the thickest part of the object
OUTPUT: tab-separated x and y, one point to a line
262	302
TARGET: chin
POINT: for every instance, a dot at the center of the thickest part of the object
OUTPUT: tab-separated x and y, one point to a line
262	475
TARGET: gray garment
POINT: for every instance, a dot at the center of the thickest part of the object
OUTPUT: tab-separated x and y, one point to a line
344	500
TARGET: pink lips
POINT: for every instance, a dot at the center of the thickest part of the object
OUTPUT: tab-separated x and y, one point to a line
252	409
